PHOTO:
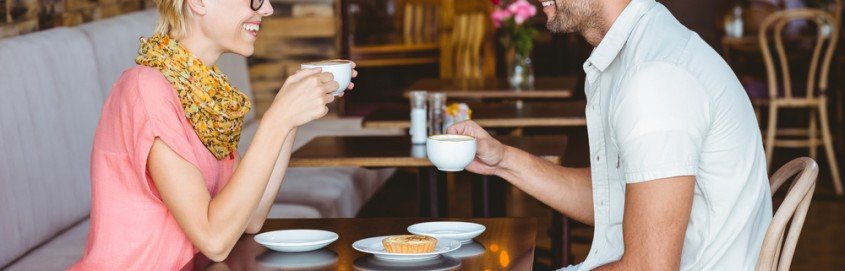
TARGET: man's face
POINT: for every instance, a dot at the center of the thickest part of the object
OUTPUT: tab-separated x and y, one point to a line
566	16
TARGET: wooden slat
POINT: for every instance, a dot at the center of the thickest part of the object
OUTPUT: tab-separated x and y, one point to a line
363	63
312	10
294	48
304	27
393	48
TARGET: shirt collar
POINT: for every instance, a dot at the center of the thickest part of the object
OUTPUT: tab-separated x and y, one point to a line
617	36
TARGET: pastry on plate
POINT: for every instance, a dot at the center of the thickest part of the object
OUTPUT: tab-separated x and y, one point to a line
409	244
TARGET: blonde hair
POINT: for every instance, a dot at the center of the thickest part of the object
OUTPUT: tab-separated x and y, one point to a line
172	17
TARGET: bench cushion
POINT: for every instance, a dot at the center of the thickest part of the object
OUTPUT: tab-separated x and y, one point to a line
116	41
49	111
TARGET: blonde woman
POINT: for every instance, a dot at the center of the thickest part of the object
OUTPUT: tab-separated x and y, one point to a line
166	178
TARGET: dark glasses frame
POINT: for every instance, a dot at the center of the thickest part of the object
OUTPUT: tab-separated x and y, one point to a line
256	4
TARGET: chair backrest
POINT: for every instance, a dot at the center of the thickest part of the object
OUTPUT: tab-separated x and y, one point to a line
825	37
420	20
467	48
756	12
776	253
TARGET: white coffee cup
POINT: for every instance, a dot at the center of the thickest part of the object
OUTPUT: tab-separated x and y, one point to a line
450	152
341	69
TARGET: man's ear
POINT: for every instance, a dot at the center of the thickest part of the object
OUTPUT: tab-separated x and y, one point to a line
198	7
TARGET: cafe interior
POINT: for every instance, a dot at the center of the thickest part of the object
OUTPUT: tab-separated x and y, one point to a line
367	169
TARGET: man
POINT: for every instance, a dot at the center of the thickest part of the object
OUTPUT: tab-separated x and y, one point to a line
678	175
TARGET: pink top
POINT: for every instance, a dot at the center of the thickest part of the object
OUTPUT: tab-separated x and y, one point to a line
131	228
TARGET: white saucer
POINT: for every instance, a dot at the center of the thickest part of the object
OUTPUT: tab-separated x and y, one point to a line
461	231
374	246
296	240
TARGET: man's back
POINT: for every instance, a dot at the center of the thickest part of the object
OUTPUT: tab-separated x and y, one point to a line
670	106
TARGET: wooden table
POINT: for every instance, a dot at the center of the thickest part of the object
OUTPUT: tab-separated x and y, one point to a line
493	115
397	151
544	88
507	244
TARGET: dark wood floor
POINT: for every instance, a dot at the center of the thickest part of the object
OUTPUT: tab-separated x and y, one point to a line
821	247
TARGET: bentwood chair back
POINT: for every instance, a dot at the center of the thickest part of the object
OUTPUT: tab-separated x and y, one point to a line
780	68
776	252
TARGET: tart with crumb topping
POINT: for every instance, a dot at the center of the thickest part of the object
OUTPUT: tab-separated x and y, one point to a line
409	244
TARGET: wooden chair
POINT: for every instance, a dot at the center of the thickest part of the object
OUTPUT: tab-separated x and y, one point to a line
776	252
467	47
419	44
816	86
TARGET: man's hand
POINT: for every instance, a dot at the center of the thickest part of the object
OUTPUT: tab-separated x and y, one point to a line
568	190
489	153
656	216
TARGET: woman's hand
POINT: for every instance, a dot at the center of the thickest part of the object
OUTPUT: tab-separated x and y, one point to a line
302	98
354	74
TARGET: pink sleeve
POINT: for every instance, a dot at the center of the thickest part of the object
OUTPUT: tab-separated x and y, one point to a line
157	113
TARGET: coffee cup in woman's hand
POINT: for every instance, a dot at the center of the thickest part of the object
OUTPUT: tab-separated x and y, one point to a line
303	98
340	69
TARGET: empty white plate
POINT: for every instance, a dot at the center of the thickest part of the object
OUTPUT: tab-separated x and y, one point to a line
296	240
374	246
461	231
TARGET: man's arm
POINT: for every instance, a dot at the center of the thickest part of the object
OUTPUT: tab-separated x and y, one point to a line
655	223
568	190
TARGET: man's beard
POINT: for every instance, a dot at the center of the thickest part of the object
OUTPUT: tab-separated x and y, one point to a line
573	16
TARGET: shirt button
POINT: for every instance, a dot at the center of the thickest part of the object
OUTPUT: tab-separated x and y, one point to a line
598	158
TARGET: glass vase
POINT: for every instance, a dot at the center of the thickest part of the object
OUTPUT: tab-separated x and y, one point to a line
521	71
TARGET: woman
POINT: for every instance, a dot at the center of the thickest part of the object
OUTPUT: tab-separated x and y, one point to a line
166	180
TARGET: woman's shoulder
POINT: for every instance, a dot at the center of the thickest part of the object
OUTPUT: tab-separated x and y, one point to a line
143	77
145	83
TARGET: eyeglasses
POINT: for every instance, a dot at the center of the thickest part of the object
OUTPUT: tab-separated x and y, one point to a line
256	4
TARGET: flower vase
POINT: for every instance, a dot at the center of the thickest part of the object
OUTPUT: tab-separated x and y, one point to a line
521	71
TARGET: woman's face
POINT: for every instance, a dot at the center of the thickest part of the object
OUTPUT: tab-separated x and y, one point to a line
233	25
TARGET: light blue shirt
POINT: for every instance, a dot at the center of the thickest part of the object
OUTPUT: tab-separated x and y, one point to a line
661	103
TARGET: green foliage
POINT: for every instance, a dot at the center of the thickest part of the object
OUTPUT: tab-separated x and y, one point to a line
519	36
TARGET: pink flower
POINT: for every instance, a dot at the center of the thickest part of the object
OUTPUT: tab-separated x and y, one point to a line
522	10
499	16
495	2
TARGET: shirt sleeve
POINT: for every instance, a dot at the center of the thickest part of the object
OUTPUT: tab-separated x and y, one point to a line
659	119
160	115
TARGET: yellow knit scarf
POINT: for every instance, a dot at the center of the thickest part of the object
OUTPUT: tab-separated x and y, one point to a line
214	108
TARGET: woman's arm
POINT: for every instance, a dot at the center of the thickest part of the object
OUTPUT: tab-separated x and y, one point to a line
276	180
215	224
278	175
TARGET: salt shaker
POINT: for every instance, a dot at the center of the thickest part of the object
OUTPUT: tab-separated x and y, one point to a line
419	131
436	105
